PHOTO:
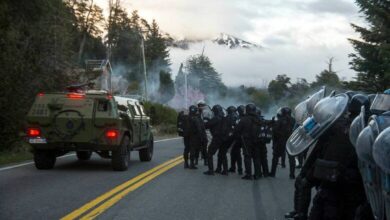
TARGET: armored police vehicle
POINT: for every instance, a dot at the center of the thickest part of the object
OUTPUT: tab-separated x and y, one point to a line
86	121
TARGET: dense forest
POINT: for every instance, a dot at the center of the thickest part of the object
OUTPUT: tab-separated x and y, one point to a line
44	44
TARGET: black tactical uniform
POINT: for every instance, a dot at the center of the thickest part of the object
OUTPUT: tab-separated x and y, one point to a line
183	131
203	149
244	132
261	143
327	204
282	130
235	154
196	137
214	125
339	196
227	129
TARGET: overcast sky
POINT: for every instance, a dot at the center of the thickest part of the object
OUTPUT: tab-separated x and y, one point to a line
298	35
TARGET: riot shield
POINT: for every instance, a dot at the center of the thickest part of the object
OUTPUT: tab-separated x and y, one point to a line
326	112
382	159
371	173
357	126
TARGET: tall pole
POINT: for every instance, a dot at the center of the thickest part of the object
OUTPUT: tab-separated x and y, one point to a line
185	91
144	63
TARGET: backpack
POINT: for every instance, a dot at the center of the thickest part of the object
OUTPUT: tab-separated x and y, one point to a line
183	125
262	131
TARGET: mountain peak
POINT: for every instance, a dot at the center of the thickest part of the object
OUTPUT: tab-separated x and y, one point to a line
233	42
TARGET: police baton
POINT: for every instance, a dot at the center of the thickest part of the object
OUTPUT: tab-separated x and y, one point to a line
244	145
231	146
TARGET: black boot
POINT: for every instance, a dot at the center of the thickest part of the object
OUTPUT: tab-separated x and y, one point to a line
186	163
290	214
239	172
225	173
232	170
247	177
211	173
192	165
273	167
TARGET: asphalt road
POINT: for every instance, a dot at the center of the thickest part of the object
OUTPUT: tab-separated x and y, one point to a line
165	192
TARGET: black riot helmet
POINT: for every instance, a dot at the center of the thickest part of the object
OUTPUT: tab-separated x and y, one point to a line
258	111
241	110
217	110
371	98
231	110
350	94
356	104
286	111
250	109
193	110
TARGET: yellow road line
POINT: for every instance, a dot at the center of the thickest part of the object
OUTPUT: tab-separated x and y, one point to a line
110	202
78	212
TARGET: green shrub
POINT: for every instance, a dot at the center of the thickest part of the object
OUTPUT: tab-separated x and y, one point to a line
161	114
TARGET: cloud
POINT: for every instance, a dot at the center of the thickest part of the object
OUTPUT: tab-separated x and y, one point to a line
300	35
332	6
259	67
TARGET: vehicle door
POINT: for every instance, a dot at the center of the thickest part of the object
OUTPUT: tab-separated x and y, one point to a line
144	124
136	123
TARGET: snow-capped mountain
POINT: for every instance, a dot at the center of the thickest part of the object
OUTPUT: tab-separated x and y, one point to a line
223	39
233	42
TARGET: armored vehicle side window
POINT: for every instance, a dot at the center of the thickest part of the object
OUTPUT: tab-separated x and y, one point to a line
133	110
102	106
141	109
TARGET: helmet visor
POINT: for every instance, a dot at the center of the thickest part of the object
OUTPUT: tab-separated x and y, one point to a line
314	99
381	103
301	113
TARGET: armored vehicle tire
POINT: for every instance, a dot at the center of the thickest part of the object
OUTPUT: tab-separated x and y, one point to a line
146	154
121	157
84	155
44	159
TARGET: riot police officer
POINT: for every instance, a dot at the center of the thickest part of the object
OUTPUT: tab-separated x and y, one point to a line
196	137
227	129
183	131
205	116
214	125
235	154
330	121
244	132
262	138
341	190
283	127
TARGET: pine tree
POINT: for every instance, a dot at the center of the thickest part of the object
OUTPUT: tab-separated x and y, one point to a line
89	18
203	76
372	60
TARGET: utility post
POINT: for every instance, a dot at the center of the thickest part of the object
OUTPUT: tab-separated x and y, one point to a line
186	90
144	64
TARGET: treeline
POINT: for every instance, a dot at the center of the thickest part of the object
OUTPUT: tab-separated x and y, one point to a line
44	45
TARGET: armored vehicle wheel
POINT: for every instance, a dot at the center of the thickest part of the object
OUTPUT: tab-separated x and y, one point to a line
44	159
84	155
121	157
146	154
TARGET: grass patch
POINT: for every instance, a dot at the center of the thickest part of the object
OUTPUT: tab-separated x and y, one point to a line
7	157
19	151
